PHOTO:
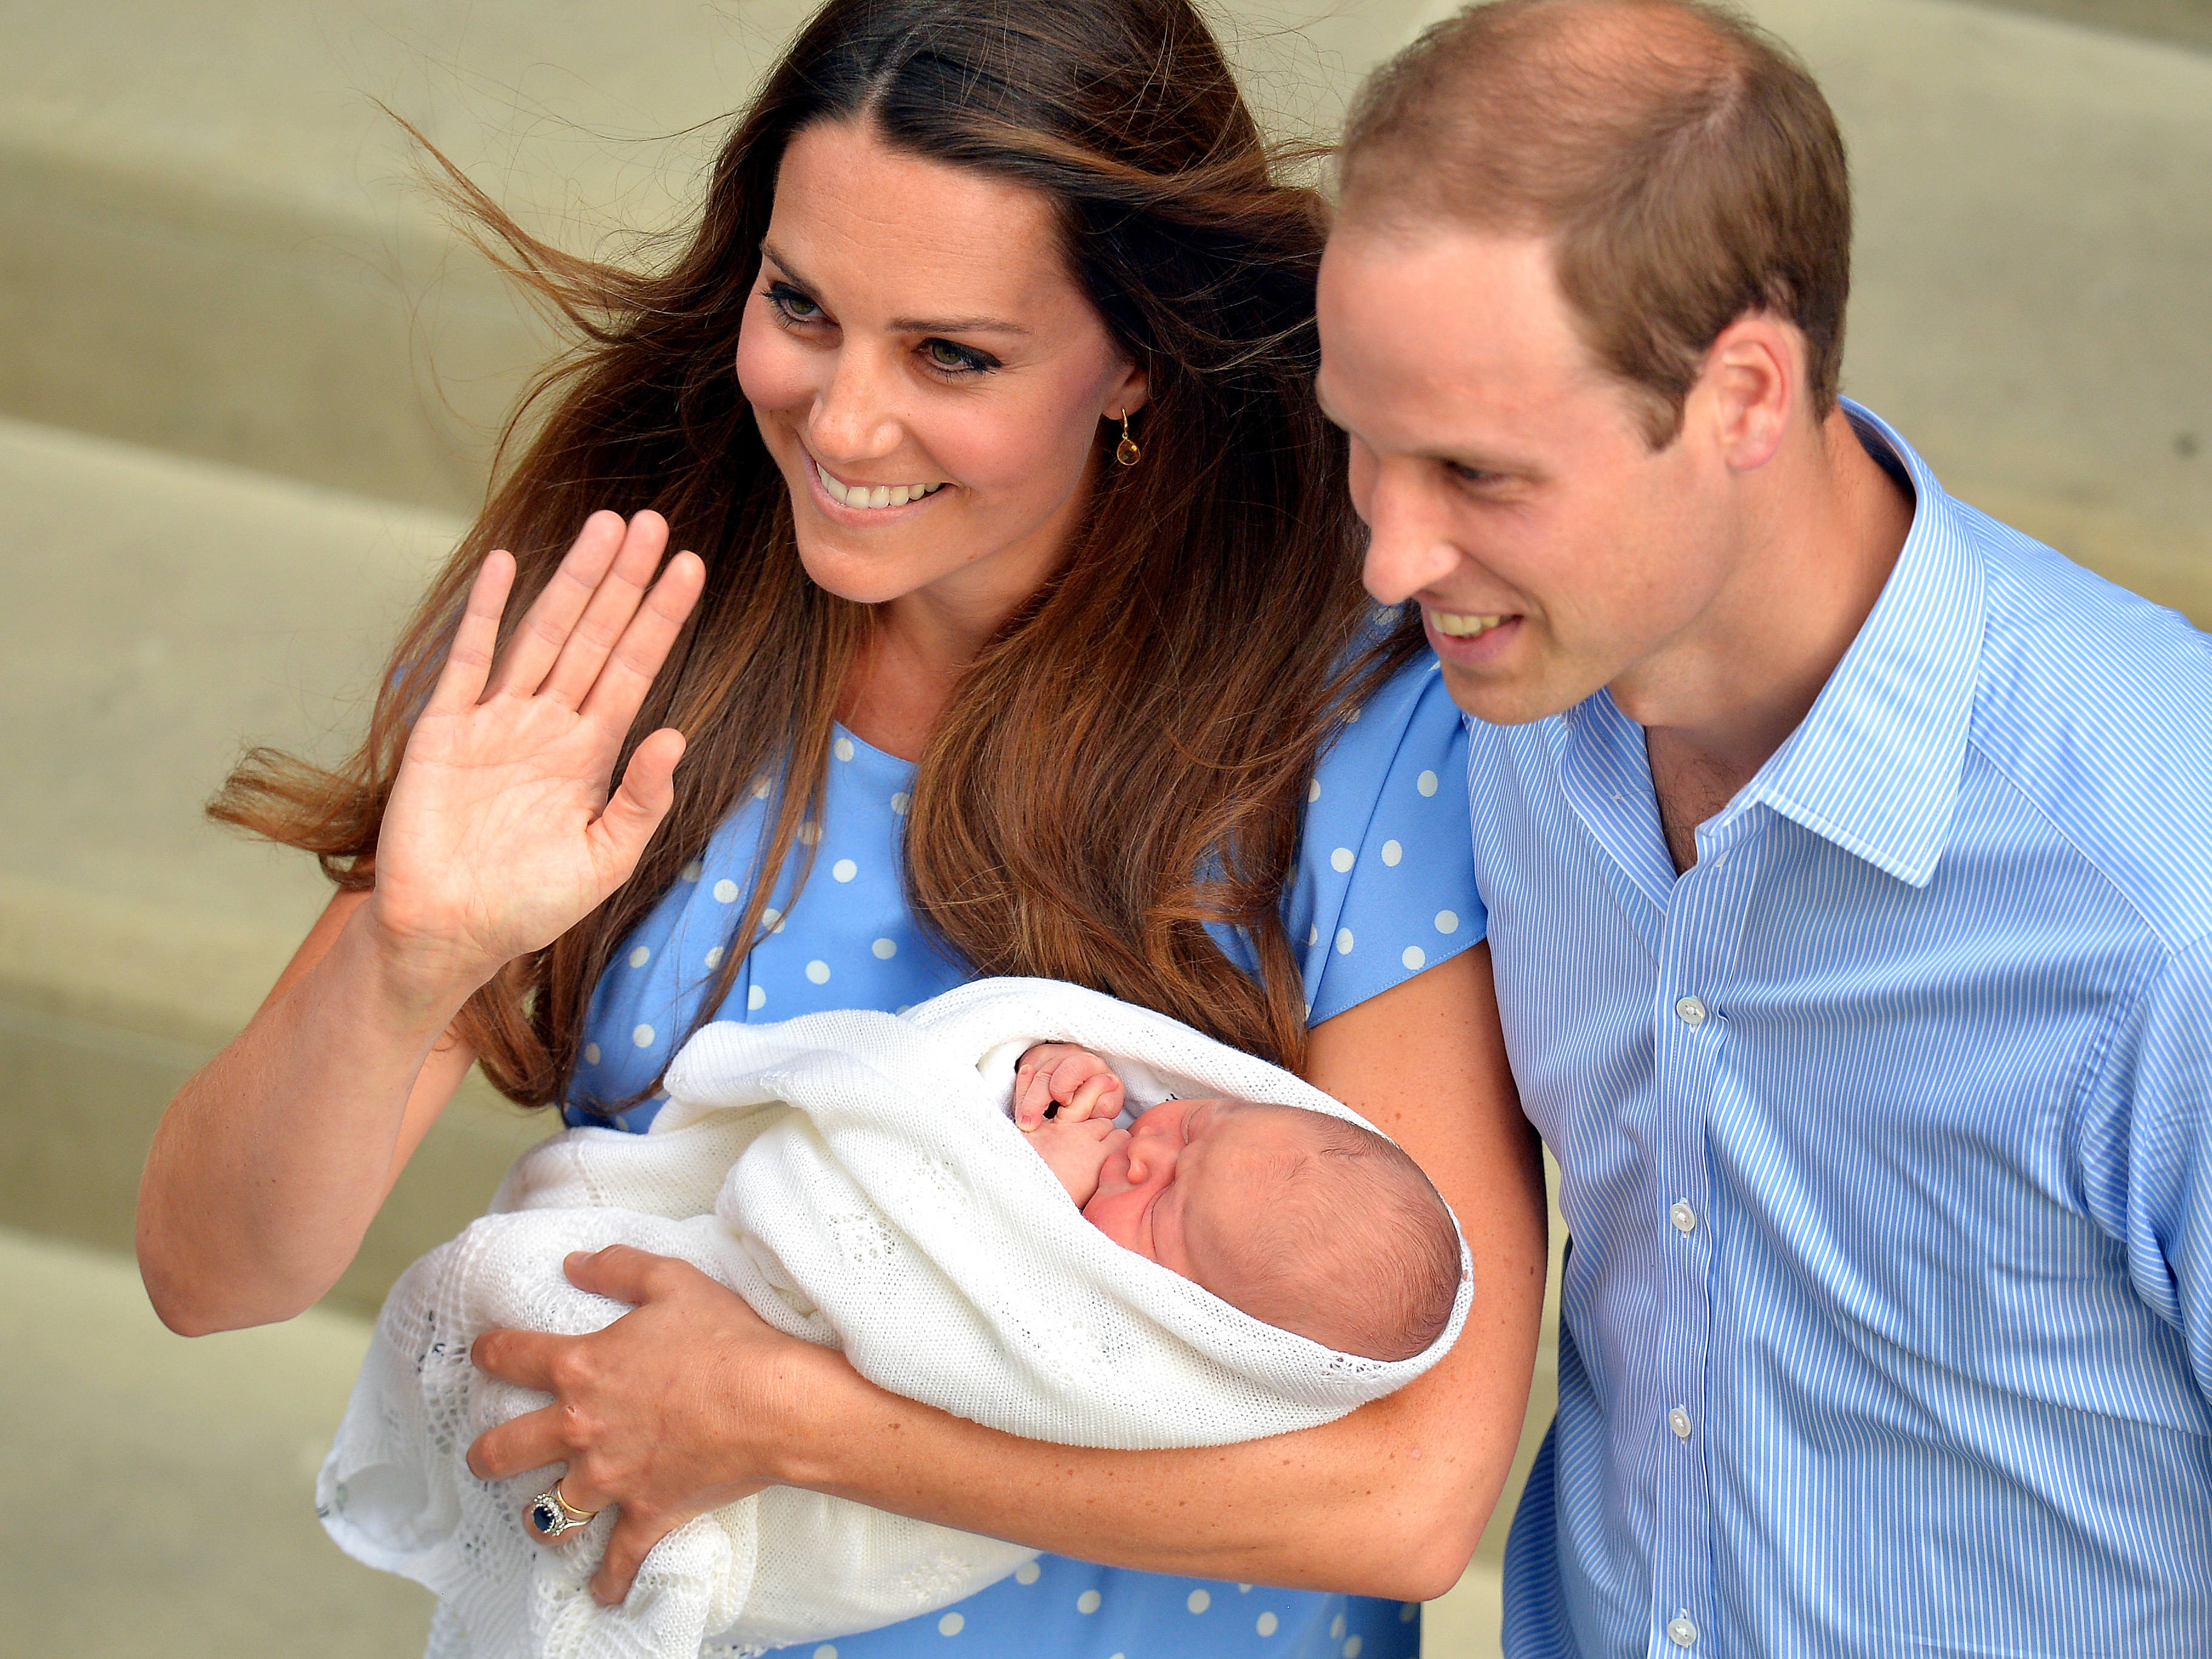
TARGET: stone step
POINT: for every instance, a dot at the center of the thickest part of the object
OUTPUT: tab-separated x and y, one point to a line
163	611
220	245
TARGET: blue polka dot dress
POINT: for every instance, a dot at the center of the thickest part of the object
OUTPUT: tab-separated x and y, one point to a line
1385	888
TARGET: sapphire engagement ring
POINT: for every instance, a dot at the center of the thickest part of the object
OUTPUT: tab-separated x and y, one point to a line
552	1515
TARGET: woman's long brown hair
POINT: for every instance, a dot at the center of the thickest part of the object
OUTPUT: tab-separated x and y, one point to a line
1128	758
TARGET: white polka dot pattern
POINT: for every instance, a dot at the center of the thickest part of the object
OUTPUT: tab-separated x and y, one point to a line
847	944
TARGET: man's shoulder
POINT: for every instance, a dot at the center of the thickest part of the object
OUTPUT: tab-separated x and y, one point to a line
2096	705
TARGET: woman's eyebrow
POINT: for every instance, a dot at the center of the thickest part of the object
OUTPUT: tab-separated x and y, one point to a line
955	325
904	324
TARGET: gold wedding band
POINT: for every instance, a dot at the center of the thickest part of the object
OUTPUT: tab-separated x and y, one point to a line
552	1515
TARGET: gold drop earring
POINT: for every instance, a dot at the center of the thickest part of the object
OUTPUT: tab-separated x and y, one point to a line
1126	452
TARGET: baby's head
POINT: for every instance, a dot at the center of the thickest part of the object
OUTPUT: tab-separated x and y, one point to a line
1305	1221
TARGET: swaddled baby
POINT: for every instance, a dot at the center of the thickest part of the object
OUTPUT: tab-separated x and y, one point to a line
1307	1223
857	1178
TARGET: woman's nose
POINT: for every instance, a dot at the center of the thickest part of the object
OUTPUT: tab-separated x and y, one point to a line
853	416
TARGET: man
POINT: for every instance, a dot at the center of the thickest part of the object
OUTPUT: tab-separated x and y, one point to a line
1846	858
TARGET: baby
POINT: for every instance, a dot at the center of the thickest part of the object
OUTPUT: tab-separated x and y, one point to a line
1306	1222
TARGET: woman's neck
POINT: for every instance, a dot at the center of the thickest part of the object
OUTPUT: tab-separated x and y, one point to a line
910	669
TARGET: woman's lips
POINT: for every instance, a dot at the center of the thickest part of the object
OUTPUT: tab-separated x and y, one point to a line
860	498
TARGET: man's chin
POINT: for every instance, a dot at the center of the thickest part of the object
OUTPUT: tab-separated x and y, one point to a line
1507	699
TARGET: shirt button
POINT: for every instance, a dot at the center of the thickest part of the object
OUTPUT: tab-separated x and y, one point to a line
1684	1218
1690	1011
1681	1631
1679	1420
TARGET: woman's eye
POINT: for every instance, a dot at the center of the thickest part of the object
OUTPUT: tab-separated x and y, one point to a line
795	306
949	359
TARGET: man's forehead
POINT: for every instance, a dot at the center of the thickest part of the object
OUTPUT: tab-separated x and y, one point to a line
1436	336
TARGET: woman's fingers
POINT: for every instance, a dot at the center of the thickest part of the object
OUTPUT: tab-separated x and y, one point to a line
608	614
624	673
469	659
632	1541
648	791
522	1357
544	629
522	1443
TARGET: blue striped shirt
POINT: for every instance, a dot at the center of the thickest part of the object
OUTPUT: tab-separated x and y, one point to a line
1887	1317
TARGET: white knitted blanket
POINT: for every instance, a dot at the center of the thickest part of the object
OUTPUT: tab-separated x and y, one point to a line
857	1177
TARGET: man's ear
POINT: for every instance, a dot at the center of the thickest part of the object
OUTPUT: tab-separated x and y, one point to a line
1753	381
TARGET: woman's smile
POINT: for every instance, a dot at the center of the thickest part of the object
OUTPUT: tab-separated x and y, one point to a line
867	502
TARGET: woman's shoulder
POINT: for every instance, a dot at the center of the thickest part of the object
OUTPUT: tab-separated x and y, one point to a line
1409	720
1385	883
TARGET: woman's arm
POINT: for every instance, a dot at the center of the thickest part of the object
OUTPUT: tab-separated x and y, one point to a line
690	1400
499	835
274	1157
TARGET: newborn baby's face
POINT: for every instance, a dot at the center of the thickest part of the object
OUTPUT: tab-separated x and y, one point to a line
1167	1180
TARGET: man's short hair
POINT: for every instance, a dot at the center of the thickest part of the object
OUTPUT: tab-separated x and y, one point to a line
1684	165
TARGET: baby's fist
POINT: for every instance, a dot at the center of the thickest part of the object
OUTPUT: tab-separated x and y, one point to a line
1062	1082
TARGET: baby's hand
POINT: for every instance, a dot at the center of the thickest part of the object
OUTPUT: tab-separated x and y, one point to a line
1075	1149
1065	1084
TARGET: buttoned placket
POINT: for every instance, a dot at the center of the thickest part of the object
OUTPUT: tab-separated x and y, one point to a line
1692	925
1703	924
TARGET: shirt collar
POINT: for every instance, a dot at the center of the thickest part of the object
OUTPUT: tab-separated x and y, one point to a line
1874	766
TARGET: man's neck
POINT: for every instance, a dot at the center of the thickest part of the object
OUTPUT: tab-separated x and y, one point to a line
1823	534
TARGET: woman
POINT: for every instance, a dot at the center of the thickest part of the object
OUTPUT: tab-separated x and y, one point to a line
1027	639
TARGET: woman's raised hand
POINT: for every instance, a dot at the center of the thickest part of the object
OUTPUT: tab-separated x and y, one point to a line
500	835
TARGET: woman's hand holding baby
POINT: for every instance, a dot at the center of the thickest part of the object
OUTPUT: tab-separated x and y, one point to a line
679	1406
500	834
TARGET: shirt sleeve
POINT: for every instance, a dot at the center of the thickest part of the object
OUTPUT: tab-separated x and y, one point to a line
1385	880
2158	1087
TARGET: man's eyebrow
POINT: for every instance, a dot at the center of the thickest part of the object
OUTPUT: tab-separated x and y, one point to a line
908	325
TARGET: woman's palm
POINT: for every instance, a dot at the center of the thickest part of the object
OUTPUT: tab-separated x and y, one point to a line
500	835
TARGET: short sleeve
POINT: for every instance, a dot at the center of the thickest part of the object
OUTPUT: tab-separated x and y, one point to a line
1385	882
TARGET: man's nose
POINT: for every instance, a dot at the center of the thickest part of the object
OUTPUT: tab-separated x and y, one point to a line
1409	546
